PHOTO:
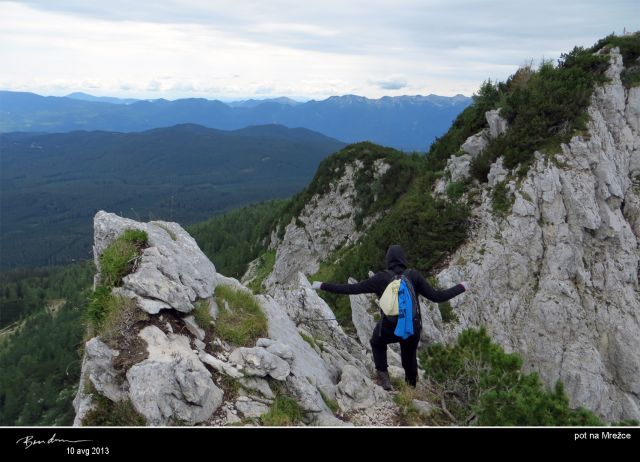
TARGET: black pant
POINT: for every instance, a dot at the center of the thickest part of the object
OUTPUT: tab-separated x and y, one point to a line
383	335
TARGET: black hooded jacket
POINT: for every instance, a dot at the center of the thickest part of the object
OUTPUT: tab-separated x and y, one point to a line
396	262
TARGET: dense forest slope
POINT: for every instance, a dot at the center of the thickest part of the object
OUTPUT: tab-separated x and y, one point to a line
51	185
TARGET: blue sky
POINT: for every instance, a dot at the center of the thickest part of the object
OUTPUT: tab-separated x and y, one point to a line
232	49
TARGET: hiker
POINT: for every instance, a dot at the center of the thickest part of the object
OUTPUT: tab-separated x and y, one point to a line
386	329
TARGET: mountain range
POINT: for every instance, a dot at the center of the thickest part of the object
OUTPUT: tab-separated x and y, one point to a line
53	183
409	123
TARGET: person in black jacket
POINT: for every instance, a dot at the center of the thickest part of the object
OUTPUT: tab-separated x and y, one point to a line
383	334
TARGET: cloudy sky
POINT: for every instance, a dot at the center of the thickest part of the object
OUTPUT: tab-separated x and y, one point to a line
305	49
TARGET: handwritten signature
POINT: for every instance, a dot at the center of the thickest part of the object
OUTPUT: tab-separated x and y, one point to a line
29	441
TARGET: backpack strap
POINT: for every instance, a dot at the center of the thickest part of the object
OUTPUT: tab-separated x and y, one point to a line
414	296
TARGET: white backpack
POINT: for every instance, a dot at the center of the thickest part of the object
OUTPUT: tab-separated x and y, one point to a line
389	300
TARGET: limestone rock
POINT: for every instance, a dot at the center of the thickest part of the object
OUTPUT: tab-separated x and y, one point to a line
172	383
220	366
325	419
458	167
356	391
422	407
475	144
193	327
361	308
310	312
259	385
328	223
258	361
497	125
171	273
306	362
306	394
250	409
101	372
557	279
497	173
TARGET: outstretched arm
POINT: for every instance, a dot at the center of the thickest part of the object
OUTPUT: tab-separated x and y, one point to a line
368	286
438	296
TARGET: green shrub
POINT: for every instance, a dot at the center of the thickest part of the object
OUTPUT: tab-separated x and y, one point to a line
409	414
501	199
468	122
477	378
107	413
245	322
309	340
111	315
265	266
118	259
455	190
371	196
101	303
447	313
284	411
331	403
543	108
629	46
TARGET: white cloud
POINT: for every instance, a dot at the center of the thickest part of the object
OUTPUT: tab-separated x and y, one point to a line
234	48
391	83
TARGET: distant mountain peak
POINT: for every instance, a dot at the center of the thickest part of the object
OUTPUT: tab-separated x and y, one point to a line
100	99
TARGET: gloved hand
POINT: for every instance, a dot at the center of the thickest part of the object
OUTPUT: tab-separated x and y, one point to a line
466	286
316	285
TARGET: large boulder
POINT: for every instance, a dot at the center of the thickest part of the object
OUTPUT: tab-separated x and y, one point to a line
100	370
357	391
172	272
260	362
172	384
306	362
361	314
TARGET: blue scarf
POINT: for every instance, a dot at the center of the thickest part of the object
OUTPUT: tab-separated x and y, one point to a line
404	328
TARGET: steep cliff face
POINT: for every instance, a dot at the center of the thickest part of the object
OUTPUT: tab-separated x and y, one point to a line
556	279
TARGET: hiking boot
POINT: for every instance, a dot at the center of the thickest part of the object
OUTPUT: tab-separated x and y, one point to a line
384	381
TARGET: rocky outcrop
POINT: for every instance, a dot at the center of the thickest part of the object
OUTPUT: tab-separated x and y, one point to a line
172	272
185	374
260	362
362	309
101	371
357	391
312	315
557	279
458	165
365	402
172	384
325	224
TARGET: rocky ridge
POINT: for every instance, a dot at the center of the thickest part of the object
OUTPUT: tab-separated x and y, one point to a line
556	279
185	374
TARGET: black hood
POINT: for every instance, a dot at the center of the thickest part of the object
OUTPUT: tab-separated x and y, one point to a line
396	259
